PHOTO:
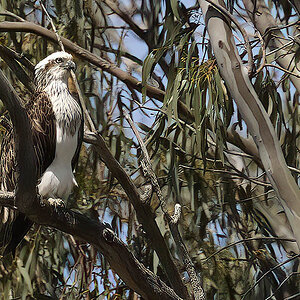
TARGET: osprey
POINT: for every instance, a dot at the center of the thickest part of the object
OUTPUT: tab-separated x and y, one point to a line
57	127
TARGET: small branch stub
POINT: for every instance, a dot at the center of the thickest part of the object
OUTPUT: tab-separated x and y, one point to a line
177	213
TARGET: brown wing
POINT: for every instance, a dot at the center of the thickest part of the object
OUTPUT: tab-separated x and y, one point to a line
41	115
13	225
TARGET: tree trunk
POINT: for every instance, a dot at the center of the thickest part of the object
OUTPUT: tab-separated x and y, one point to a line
258	122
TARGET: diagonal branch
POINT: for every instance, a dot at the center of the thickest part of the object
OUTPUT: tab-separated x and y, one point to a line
83	54
134	273
198	291
143	211
86	55
140	279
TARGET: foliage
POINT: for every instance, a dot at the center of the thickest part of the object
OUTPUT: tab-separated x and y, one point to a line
192	138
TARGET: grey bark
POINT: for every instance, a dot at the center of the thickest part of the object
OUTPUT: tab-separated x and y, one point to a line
259	125
274	39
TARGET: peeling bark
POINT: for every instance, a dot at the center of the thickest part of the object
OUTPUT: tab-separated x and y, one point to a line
259	125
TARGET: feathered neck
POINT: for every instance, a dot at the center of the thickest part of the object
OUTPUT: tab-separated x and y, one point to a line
45	78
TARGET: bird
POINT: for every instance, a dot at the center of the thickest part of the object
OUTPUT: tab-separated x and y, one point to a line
56	119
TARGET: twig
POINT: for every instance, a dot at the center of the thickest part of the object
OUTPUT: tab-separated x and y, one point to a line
88	119
223	11
146	166
198	291
53	27
10	14
282	283
282	69
288	44
268	272
247	240
263	60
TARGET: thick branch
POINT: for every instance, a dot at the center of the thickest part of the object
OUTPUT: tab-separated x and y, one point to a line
134	274
120	258
26	187
83	54
252	111
143	211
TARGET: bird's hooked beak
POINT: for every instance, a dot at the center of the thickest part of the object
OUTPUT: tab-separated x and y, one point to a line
70	65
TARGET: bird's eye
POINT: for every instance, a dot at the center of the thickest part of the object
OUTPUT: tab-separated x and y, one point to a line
59	60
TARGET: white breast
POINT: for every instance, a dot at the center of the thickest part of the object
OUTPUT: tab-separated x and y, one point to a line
58	180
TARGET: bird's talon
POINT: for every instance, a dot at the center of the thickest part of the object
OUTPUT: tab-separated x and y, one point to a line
56	202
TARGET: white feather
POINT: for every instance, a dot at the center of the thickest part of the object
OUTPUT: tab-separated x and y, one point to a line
58	180
60	54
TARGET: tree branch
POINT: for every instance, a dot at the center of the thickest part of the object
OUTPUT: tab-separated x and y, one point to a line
258	122
84	54
198	292
120	258
8	56
132	272
144	213
26	184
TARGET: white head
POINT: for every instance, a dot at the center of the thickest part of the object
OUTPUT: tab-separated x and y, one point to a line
56	66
